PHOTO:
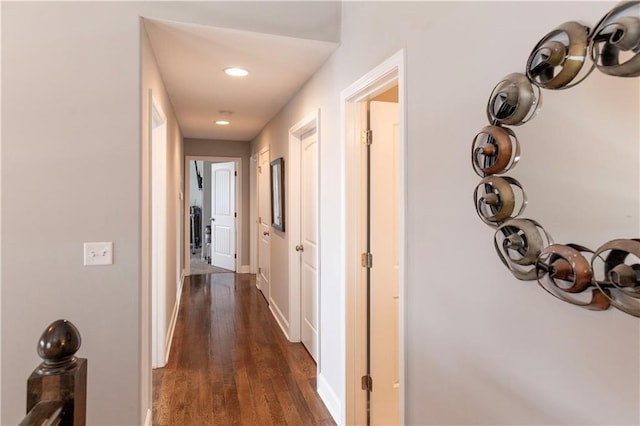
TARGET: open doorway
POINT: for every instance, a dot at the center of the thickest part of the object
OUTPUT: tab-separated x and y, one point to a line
213	214
373	117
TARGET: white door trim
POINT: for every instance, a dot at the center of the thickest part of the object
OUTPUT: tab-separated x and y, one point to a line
158	146
253	214
382	77
187	199
1	245
265	292
310	123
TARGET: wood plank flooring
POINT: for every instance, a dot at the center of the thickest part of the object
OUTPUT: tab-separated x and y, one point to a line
230	364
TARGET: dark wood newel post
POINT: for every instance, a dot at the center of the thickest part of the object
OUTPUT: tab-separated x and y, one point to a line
61	376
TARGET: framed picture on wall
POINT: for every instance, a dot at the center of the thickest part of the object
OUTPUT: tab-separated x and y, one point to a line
277	194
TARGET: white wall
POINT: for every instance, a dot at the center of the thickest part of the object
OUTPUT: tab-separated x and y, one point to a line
71	173
152	82
482	347
73	114
478	339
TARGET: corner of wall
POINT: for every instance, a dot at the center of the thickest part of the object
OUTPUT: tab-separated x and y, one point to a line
279	317
149	418
330	399
0	229
174	319
639	227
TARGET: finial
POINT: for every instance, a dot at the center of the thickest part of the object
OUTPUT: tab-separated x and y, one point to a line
57	346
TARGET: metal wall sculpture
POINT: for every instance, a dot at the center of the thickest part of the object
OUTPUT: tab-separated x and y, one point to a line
596	280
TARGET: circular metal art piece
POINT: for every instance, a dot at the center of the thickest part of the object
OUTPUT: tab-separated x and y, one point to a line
619	275
559	57
615	43
519	242
565	272
595	280
495	150
496	198
514	101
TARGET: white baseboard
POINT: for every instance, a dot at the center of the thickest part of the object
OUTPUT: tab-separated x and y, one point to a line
280	319
244	269
330	399
149	418
174	319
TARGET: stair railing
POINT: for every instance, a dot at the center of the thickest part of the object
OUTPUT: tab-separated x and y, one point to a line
57	388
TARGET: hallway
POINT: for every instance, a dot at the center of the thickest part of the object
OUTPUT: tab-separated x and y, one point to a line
230	363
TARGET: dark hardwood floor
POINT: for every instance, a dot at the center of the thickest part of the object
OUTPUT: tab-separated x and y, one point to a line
230	363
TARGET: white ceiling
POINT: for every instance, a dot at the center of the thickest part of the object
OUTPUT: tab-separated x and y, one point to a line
191	59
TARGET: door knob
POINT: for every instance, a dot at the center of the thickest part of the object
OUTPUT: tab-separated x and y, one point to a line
212	219
265	233
300	248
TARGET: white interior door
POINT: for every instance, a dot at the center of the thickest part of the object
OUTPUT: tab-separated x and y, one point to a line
264	222
309	291
223	215
384	301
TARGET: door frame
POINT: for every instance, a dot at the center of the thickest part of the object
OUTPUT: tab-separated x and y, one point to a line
187	201
159	258
267	296
353	117
308	124
253	214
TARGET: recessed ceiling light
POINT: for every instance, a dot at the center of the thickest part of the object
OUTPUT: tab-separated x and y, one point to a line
236	72
222	122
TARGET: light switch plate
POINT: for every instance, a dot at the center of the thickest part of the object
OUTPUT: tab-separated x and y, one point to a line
98	254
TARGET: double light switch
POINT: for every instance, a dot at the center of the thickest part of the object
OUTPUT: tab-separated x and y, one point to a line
98	254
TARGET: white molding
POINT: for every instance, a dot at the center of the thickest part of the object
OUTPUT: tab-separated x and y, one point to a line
266	292
253	214
149	418
383	74
280	318
403	200
174	320
244	269
330	398
159	218
390	72
310	123
146	311
0	234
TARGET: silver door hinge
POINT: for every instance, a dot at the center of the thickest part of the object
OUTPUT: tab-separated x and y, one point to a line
367	260
367	383
367	137
235	256
235	173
